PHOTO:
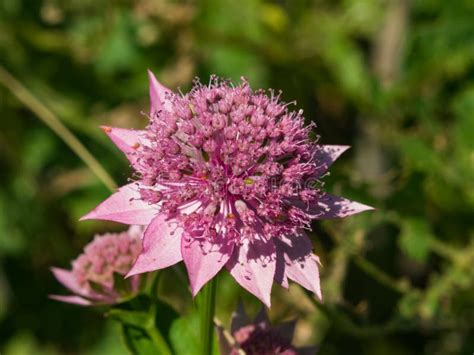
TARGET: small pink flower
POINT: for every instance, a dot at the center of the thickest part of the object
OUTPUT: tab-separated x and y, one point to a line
259	337
225	176
97	275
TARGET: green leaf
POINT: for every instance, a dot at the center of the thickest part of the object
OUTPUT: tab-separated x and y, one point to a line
137	341
190	326
415	238
131	318
110	341
141	302
147	316
165	316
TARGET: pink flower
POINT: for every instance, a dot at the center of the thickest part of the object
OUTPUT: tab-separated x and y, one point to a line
225	176
259	337
97	275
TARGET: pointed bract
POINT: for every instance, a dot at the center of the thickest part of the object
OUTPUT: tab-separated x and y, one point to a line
161	246
158	93
129	141
203	260
78	300
328	154
253	267
124	206
306	273
329	206
301	265
67	279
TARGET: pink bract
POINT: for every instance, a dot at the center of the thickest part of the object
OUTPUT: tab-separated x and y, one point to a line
226	176
94	275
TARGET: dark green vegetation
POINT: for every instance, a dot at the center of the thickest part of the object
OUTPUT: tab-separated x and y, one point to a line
394	79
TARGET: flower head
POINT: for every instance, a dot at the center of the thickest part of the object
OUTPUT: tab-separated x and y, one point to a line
97	275
259	337
225	176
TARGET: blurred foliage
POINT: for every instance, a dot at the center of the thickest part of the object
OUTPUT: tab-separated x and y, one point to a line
393	78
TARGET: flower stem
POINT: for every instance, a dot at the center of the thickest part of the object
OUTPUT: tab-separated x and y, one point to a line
207	300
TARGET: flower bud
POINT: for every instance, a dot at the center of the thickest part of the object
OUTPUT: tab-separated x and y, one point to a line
97	275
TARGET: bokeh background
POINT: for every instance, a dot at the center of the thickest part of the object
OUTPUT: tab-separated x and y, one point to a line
392	78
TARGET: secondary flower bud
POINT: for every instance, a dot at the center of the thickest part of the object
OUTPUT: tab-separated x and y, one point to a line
97	275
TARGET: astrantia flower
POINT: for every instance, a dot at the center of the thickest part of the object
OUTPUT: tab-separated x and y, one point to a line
225	176
97	275
259	337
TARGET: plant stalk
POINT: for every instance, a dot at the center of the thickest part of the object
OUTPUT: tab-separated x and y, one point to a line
206	305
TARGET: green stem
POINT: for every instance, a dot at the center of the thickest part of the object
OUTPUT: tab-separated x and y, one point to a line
207	300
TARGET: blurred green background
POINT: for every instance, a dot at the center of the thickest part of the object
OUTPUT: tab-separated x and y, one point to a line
393	78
